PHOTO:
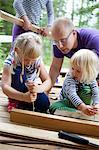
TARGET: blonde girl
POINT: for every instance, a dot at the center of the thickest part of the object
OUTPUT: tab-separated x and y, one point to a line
80	89
24	64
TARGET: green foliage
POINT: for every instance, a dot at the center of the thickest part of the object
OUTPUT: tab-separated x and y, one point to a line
89	13
89	9
59	8
6	5
47	51
3	53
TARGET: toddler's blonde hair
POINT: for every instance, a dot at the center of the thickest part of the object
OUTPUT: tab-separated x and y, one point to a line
88	61
30	45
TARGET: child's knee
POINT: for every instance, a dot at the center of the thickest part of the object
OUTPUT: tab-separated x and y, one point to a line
42	103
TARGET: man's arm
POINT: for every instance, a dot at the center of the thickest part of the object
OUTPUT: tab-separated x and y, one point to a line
55	69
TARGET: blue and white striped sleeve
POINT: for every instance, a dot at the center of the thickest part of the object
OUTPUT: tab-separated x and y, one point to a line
69	89
50	12
19	7
9	59
95	92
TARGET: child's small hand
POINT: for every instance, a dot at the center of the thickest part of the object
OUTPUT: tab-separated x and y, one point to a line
29	85
33	87
96	107
33	96
36	88
87	109
29	97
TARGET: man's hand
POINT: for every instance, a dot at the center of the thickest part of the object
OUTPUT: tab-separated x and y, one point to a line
45	31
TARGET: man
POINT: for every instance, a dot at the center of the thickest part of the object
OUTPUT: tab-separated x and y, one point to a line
68	40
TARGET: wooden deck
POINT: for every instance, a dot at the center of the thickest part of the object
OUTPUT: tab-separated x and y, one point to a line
4	136
23	137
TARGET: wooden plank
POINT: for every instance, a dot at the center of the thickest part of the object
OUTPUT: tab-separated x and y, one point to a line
77	114
33	133
27	143
30	147
51	137
55	123
13	147
13	19
10	18
5	118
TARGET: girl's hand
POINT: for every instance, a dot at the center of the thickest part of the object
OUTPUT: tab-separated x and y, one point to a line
96	107
29	97
87	109
29	85
33	97
34	87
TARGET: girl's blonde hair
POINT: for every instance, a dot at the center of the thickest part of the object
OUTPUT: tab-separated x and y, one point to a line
30	45
88	61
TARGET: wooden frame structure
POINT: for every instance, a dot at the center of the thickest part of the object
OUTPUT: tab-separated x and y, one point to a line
55	123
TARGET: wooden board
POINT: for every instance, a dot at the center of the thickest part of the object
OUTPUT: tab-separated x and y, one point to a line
55	123
32	147
15	147
4	118
77	114
17	143
32	133
13	19
28	133
10	18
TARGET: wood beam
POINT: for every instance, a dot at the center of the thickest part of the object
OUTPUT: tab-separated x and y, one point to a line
55	123
29	133
10	18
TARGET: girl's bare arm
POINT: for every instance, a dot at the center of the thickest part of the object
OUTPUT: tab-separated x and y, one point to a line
8	90
46	81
